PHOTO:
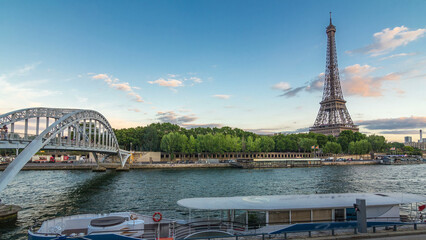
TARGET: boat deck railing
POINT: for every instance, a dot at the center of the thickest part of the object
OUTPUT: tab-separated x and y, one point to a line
228	229
371	228
184	230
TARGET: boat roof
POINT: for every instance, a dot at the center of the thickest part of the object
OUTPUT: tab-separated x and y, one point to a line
289	202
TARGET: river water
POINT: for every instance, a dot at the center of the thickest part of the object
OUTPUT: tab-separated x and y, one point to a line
47	194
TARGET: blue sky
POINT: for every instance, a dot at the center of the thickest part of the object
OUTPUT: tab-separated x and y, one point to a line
254	65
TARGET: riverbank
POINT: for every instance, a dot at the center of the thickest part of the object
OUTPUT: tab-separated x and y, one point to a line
345	163
91	166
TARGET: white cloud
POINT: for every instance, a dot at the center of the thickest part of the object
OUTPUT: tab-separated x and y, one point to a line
222	96
171	83
196	79
134	110
135	96
282	86
358	81
115	83
23	93
314	85
101	76
172	117
389	39
398	55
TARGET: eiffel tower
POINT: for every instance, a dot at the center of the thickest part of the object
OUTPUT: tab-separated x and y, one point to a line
333	117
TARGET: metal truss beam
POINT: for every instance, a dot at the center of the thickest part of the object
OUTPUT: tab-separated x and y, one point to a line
53	137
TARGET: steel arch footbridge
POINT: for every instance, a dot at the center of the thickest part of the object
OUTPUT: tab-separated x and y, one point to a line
70	130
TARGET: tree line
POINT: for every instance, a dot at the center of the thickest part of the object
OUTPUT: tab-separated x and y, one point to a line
171	138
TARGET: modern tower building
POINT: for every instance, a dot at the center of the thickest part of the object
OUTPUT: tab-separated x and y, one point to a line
408	139
333	117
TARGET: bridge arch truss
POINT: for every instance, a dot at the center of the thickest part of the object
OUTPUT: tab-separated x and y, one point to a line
71	130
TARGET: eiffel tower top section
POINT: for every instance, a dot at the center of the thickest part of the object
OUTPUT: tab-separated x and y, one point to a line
333	117
332	88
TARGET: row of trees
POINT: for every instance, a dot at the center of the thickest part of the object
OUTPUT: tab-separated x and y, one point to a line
172	138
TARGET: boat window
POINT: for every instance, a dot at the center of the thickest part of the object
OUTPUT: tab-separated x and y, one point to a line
350	214
240	216
339	215
257	219
300	216
321	215
278	217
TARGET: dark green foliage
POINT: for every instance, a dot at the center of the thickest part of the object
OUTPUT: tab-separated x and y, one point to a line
332	147
150	139
360	147
347	137
158	137
306	144
378	143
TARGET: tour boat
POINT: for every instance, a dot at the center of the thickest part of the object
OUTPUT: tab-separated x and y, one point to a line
269	214
111	226
231	216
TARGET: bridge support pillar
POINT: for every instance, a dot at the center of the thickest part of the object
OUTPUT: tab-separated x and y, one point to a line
95	156
26	129
37	125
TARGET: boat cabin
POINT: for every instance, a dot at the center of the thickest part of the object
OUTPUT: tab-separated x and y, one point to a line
290	209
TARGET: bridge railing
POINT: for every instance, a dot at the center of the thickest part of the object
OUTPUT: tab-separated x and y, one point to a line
16	136
58	141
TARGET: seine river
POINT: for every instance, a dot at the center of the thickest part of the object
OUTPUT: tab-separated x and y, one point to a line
48	194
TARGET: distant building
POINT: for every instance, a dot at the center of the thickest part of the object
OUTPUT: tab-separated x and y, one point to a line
408	139
421	137
419	145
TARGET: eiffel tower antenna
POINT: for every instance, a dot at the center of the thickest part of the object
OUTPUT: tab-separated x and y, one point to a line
333	117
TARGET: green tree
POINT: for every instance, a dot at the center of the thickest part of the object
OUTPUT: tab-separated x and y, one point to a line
321	140
285	143
280	145
250	147
192	145
267	144
378	143
306	144
359	147
331	138
357	136
150	141
174	142
257	145
332	147
408	149
345	138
